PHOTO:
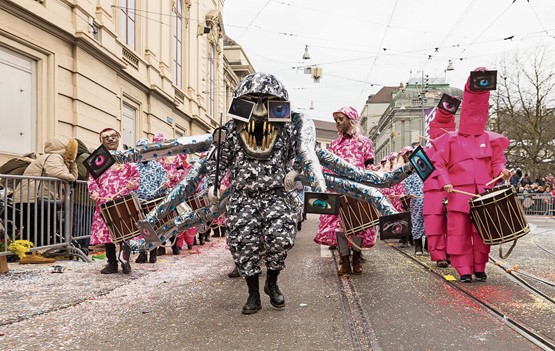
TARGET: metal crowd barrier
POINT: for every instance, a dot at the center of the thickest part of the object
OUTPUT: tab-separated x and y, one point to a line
537	204
51	213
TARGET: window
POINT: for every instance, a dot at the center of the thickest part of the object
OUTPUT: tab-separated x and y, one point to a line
178	46
128	126
211	80
17	97
127	25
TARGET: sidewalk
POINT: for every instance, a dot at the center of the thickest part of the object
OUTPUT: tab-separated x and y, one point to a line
187	302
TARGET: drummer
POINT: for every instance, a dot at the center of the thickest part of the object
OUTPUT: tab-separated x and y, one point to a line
154	183
115	182
469	158
356	149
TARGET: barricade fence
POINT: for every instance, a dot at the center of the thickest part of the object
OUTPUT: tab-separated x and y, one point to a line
540	204
49	212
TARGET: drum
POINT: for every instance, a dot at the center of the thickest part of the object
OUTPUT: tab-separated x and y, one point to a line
198	200
405	202
149	205
498	216
120	216
356	215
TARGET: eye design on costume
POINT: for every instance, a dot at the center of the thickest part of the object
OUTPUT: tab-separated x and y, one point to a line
483	82
447	106
99	160
279	111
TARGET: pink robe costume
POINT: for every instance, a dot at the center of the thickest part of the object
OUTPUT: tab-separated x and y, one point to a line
110	184
435	221
468	159
356	150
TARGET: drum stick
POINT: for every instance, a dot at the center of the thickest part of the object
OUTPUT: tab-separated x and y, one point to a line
465	193
499	177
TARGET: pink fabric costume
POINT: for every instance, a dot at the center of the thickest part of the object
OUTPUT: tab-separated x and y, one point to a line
435	221
110	184
356	150
467	160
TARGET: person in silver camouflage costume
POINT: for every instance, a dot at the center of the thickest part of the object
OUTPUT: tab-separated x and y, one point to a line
259	212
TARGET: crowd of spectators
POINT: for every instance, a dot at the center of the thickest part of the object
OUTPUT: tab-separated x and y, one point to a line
525	184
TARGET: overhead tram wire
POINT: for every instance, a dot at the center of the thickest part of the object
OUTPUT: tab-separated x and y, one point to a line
539	20
379	46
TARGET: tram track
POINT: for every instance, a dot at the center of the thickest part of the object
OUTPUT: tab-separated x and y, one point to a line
361	332
520	327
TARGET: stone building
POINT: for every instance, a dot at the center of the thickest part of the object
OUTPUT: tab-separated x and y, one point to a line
72	68
402	122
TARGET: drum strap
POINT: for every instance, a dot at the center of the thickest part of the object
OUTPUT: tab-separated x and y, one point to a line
508	252
348	236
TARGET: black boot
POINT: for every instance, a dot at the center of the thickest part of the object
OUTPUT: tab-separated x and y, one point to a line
201	238
271	289
112	266
175	249
153	257
418	247
253	304
234	273
216	232
124	257
161	251
207	236
141	258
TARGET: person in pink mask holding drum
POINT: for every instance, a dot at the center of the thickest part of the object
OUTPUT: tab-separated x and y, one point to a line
116	181
356	149
469	159
435	221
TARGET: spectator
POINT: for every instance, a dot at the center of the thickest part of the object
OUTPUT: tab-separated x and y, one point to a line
40	200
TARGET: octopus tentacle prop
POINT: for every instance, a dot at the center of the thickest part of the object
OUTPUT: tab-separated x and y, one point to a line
361	175
182	145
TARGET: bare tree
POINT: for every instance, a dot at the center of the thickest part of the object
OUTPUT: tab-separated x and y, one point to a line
524	110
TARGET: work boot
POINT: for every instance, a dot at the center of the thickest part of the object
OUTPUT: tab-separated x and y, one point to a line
345	268
201	238
207	236
141	258
357	262
271	289
153	257
442	264
124	256
111	268
418	247
253	304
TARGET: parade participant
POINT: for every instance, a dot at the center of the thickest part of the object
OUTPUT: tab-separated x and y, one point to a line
414	189
153	184
356	149
117	181
435	218
466	161
257	152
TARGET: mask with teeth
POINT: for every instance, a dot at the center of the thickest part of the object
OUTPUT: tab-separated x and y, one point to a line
258	136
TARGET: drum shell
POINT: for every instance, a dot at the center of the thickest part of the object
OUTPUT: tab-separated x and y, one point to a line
151	204
356	215
121	215
498	218
405	202
198	200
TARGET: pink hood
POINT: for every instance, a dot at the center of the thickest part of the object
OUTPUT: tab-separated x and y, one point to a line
442	123
474	111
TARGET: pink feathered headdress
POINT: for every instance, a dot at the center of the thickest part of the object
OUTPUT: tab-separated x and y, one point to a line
348	111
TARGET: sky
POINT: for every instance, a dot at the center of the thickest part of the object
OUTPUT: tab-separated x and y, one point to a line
363	45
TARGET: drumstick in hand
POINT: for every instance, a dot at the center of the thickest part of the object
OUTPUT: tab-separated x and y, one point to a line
499	177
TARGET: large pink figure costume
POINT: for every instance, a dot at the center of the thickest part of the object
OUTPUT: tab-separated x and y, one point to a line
110	184
466	160
435	221
357	150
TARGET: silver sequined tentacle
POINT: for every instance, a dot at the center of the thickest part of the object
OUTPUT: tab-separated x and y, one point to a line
306	139
361	192
360	175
